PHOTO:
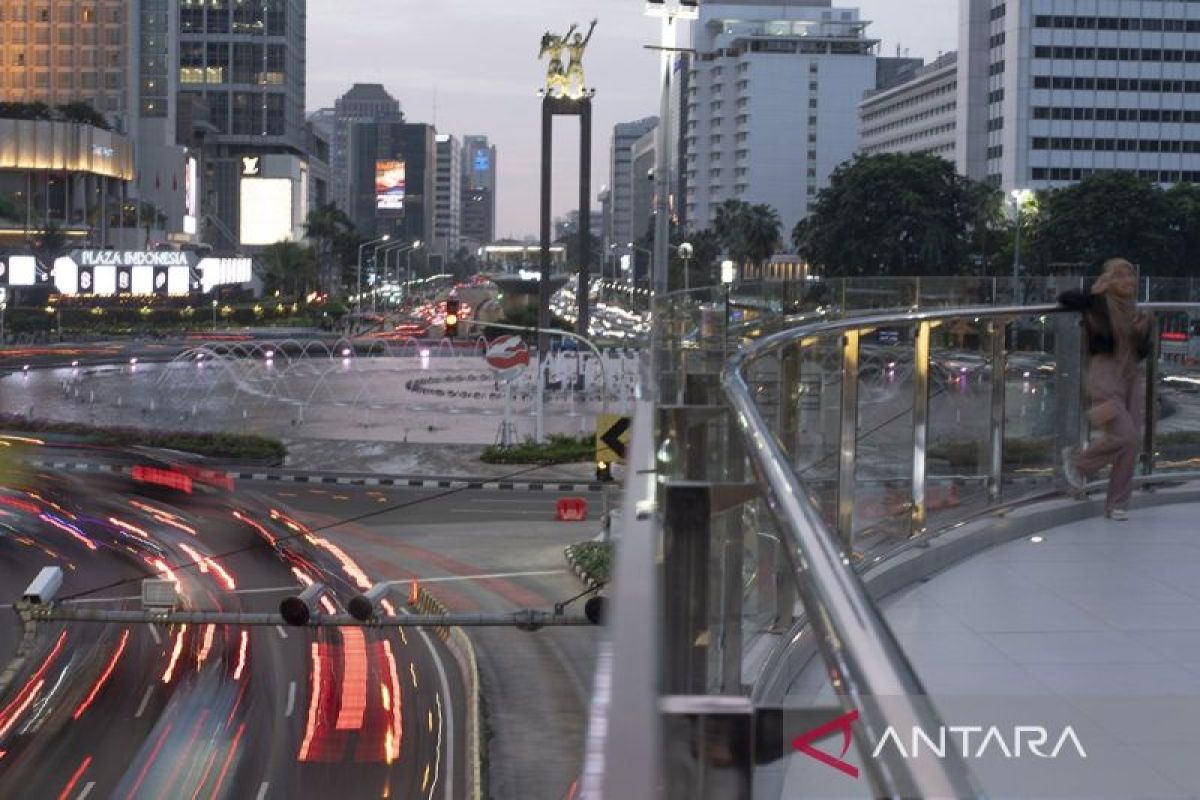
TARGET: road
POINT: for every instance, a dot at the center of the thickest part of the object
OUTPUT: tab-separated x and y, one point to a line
142	711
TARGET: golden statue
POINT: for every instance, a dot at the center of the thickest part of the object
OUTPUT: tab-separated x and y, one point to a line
568	82
556	76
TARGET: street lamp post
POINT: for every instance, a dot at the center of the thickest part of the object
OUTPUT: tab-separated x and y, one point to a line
361	247
685	252
417	245
214	308
1019	197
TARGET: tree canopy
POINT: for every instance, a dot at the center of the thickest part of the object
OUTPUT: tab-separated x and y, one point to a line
895	214
750	233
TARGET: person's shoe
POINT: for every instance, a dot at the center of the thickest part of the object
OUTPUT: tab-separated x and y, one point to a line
1117	514
1070	471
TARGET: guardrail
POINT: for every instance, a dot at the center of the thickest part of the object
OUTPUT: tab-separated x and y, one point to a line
794	454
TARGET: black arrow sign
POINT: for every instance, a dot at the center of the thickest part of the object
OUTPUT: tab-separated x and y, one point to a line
612	437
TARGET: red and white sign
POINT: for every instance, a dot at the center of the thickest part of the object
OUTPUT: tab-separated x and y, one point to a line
508	356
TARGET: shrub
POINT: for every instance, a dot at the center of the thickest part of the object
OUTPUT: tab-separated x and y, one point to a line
594	559
558	449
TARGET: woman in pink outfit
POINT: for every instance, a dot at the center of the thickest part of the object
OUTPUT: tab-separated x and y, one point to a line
1118	339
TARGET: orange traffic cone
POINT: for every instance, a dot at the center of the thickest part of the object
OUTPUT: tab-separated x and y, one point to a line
414	592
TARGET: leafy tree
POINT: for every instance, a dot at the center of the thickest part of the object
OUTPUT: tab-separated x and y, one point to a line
289	267
1183	227
895	214
1105	215
37	110
323	227
463	264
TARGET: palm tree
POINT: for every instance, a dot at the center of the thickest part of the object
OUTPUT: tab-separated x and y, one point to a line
324	226
289	267
761	233
730	227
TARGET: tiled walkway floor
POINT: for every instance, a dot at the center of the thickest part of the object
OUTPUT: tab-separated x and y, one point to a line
1096	626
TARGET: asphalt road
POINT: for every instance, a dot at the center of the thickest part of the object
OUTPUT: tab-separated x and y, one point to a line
106	710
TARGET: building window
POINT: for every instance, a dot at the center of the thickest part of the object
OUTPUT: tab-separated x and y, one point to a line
41	80
42	14
87	15
812	102
66	36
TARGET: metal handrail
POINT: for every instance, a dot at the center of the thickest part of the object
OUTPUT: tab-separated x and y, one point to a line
863	657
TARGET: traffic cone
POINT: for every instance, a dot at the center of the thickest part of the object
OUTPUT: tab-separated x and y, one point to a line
414	592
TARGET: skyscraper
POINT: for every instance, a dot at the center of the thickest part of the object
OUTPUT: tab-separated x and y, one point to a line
1051	93
244	63
625	136
365	102
772	105
478	191
447	198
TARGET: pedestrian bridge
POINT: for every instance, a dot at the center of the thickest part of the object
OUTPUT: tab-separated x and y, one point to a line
849	566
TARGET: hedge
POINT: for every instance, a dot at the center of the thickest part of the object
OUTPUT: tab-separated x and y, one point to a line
593	559
558	449
226	446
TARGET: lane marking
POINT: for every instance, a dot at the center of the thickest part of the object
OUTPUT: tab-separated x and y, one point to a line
86	790
262	790
541	513
145	699
154	633
448	716
282	632
291	701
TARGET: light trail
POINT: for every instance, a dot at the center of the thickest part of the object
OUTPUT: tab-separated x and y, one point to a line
104	676
348	564
134	529
14	709
271	539
395	734
149	762
175	653
437	753
75	778
168	573
69	528
237	737
241	664
314	700
180	762
354	680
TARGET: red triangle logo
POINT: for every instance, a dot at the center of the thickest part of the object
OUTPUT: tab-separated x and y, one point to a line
844	723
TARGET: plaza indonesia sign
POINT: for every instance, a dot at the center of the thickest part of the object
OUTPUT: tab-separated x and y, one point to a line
130	258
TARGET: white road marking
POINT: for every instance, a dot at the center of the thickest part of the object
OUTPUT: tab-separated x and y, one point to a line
525	501
145	699
86	790
262	790
154	633
449	714
291	703
282	632
542	513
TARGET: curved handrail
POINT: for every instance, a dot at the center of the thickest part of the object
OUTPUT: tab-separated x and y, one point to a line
863	657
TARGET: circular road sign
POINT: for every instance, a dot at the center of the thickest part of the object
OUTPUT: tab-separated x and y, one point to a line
507	356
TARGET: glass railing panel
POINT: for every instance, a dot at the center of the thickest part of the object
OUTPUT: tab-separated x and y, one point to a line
814	447
1033	419
962	394
762	554
1177	391
884	438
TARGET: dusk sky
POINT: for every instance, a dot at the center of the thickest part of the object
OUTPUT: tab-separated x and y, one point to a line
469	66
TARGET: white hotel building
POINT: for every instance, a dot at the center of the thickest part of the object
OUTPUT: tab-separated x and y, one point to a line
916	116
772	104
1051	91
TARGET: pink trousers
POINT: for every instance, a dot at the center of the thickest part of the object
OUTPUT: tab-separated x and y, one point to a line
1120	436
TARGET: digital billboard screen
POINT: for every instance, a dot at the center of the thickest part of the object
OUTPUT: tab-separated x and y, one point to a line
389	185
266	214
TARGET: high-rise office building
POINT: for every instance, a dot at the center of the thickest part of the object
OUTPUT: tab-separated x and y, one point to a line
244	63
1052	92
364	103
392	183
478	192
773	95
447	198
620	180
116	56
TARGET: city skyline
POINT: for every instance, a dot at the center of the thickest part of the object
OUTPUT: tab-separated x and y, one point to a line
490	85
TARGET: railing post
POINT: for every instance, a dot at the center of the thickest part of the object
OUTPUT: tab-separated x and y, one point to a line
996	428
920	420
686	568
1070	360
789	388
848	440
1150	427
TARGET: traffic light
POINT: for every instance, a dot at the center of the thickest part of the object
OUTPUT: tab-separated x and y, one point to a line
450	326
603	471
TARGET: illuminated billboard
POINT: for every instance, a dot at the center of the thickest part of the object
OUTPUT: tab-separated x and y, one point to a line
389	185
191	205
266	216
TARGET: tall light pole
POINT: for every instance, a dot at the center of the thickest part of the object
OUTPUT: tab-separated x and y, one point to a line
361	247
671	12
417	245
1019	197
685	252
